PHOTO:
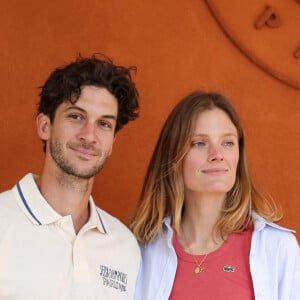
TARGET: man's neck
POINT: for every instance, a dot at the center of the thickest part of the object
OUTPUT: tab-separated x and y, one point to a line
67	195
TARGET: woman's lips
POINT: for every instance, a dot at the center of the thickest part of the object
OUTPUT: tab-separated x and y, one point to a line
215	171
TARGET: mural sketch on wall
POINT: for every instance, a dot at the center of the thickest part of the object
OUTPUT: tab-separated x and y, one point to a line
266	32
269	17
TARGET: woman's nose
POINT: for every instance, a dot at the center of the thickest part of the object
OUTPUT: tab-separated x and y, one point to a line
215	154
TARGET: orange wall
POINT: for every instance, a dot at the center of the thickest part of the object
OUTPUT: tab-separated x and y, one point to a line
177	47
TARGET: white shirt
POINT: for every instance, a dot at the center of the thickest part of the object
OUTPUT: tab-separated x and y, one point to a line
42	258
274	264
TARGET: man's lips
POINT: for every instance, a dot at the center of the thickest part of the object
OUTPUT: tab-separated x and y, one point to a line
88	153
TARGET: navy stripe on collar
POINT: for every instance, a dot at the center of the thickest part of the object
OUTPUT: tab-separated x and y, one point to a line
26	204
101	221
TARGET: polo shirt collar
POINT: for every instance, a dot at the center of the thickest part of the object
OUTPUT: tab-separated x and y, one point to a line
32	203
38	210
95	219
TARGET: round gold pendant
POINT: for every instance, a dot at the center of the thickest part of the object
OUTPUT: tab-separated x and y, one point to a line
198	269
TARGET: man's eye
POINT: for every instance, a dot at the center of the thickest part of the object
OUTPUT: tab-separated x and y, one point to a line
105	124
76	116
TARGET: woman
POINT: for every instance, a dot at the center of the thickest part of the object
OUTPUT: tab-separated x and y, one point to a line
205	232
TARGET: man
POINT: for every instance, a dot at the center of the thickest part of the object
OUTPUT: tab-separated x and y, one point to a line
54	242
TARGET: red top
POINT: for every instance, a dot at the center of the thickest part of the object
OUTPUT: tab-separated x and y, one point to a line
225	275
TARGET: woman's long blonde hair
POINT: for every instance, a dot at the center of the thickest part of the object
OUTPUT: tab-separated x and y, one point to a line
163	189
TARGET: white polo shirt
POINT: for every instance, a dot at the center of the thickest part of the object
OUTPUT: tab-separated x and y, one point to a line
42	258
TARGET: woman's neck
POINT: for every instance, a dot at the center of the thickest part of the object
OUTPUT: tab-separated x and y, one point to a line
197	233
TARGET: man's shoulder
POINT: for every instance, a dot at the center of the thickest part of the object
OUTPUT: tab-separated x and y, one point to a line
118	233
7	200
112	223
9	194
10	200
9	211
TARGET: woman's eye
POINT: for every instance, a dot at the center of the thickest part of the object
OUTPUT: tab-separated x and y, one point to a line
198	144
228	143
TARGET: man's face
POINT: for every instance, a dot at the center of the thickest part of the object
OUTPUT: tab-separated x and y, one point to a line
81	136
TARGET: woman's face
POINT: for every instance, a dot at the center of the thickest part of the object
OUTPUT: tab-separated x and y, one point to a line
211	162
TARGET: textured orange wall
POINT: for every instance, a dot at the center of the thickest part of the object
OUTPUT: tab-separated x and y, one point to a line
177	47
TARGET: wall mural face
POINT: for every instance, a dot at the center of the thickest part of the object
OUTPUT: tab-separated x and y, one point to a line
267	32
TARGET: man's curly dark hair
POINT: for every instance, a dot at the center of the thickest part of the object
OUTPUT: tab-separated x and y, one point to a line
65	83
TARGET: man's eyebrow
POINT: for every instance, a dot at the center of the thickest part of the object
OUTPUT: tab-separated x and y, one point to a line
75	107
109	117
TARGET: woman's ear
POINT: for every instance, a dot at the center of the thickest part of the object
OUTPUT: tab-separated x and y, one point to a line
43	126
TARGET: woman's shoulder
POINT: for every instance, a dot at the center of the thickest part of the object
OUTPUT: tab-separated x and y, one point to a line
261	223
161	246
272	234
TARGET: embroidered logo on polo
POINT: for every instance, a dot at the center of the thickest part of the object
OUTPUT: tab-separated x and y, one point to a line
229	269
113	278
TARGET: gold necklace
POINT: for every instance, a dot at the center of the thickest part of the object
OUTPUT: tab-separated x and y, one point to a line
199	265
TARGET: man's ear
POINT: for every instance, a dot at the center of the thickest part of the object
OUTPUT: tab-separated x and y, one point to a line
43	126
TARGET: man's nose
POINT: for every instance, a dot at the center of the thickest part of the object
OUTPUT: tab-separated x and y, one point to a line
87	133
